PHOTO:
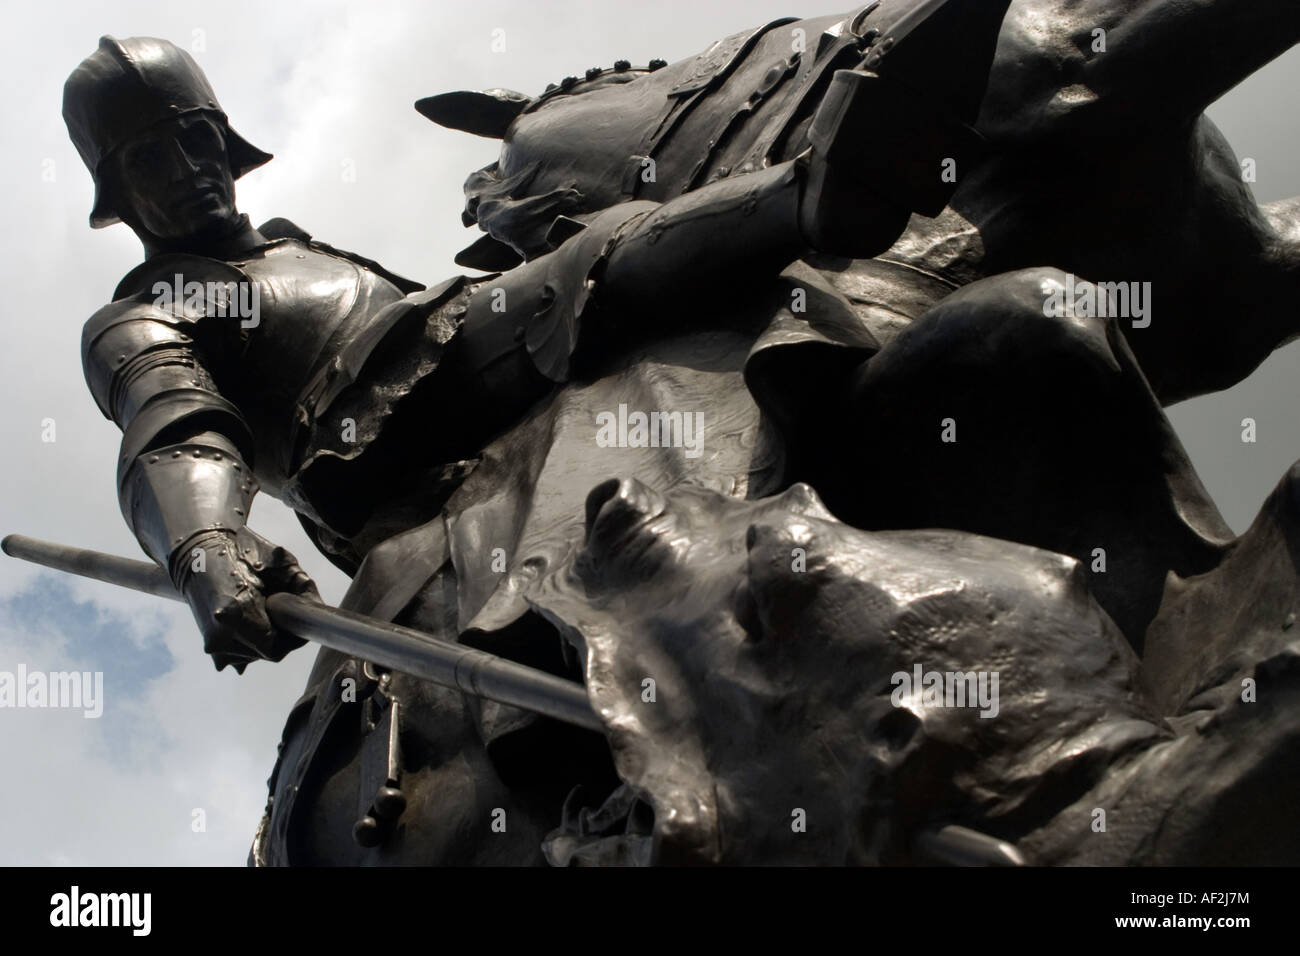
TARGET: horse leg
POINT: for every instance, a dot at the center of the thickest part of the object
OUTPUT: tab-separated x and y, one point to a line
987	415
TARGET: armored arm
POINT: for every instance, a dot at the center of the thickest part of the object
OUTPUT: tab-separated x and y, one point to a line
846	194
637	258
184	477
183	468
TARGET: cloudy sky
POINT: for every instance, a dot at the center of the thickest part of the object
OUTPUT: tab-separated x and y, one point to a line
328	88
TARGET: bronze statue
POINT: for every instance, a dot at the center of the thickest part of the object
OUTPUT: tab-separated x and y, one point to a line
744	248
1057	140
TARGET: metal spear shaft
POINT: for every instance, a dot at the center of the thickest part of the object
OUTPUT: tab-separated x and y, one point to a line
440	662
380	642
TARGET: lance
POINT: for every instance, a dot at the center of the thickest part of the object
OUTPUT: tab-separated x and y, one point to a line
379	642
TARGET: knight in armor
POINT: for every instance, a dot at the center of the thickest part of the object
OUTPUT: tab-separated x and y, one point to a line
334	398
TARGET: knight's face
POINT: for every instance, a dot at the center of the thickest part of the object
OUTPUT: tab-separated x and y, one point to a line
176	178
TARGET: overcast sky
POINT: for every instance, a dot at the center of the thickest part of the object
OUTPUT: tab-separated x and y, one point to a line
327	88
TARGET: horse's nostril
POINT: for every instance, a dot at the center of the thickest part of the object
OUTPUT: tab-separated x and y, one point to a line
898	727
596	499
621	502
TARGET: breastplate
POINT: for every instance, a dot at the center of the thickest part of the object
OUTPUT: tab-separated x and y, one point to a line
265	325
308	306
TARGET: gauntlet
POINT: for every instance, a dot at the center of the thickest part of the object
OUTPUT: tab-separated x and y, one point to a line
187	504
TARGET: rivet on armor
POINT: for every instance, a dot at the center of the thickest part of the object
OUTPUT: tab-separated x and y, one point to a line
622	66
366	832
176	454
152	459
390	803
657	64
593	73
568	82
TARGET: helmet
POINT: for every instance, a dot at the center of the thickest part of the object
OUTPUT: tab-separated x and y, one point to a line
125	87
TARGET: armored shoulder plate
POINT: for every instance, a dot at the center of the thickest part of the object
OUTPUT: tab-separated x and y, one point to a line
143	371
115	338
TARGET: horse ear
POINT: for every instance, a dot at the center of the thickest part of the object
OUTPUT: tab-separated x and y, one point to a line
488	113
488	255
